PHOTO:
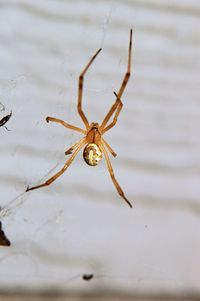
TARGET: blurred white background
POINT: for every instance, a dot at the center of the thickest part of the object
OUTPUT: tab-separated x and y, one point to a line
79	224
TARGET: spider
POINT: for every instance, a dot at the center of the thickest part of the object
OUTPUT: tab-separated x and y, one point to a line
95	144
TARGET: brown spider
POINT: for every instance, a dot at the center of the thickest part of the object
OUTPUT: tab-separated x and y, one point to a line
95	143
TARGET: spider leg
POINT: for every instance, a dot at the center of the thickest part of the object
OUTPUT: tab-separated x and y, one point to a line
123	85
80	90
67	125
70	150
58	174
118	110
110	113
110	169
109	147
128	72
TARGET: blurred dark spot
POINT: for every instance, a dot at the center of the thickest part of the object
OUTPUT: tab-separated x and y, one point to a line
87	277
4	120
3	239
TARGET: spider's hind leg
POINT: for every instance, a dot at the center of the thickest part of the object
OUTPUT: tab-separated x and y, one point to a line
110	169
59	173
70	150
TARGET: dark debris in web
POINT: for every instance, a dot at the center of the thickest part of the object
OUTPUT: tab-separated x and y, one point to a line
87	277
4	241
4	120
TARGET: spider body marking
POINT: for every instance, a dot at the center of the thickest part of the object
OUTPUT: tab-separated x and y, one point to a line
95	146
92	154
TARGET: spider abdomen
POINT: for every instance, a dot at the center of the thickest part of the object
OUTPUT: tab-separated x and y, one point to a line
92	154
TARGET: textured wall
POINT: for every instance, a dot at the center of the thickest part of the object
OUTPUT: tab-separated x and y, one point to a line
79	224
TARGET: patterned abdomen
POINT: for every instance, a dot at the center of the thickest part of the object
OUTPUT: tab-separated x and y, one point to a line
92	154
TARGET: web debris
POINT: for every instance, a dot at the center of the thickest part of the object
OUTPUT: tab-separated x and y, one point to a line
4	120
4	241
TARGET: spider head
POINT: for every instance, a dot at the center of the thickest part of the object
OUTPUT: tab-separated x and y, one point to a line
94	125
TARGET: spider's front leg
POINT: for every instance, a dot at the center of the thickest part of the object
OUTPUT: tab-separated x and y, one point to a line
128	72
80	90
118	110
118	104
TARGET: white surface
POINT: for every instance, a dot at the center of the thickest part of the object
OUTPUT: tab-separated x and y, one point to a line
79	224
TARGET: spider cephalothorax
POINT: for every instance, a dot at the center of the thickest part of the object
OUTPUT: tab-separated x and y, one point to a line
94	144
94	133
